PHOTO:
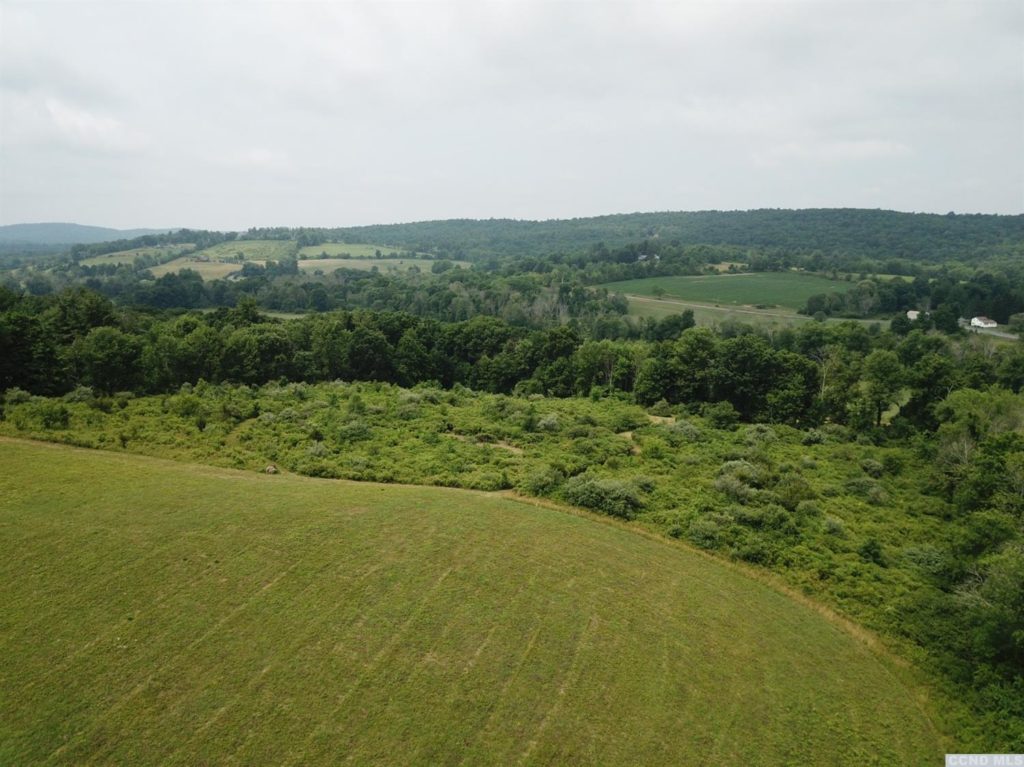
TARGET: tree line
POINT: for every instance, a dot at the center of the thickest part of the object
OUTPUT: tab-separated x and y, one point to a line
844	373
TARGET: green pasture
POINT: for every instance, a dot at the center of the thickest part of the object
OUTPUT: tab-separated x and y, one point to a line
251	250
788	290
347	250
710	315
165	613
208	270
129	256
383	265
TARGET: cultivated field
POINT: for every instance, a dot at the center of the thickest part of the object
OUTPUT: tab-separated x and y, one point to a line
156	612
782	289
129	256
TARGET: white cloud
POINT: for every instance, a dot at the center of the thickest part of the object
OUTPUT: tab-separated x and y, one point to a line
91	130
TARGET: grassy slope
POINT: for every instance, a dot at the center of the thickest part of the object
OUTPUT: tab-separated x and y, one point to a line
710	315
128	256
251	250
161	612
346	250
208	270
383	265
780	288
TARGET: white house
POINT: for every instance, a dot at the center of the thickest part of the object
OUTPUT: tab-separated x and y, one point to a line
983	322
913	314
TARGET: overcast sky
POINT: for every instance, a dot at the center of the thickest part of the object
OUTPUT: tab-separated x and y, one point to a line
235	114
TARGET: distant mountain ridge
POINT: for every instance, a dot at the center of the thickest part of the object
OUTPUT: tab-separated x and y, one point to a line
67	234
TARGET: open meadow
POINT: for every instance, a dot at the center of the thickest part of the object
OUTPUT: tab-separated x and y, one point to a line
250	250
347	250
154	612
709	315
208	270
129	256
788	290
384	265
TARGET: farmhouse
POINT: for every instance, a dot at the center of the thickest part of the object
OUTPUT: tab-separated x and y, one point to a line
983	322
913	314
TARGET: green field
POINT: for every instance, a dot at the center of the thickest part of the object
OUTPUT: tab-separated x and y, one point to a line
251	250
782	289
129	256
710	315
346	250
384	265
208	270
157	612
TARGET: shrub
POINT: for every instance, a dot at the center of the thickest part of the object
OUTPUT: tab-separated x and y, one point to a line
734	488
835	527
354	431
682	432
756	552
721	415
541	482
750	516
83	394
872	468
807	509
927	559
661	408
608	496
871	551
645	484
812	437
759	434
16	396
792	489
742	470
548	423
704	532
892	464
867	489
51	414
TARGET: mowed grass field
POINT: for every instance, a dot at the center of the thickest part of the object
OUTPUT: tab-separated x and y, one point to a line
164	613
129	256
251	250
346	250
208	270
783	289
327	265
710	315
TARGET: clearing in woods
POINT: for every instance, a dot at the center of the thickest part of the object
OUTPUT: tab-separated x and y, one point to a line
783	289
163	613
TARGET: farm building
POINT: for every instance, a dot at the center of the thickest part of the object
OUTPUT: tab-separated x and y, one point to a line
913	314
983	322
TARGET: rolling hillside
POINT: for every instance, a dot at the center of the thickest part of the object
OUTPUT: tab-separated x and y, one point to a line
153	612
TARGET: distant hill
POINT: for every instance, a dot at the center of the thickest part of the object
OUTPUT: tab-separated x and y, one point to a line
879	234
66	234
